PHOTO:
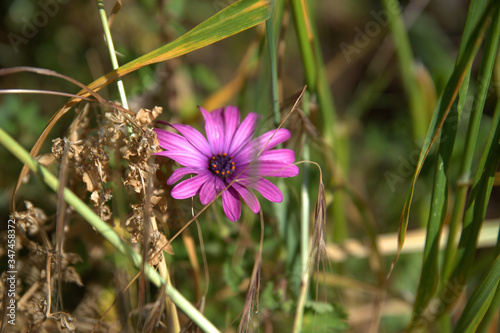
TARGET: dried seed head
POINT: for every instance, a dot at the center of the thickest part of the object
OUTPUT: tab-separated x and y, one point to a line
32	219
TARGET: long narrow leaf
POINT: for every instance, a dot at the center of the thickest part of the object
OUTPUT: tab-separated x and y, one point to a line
483	182
472	133
105	230
406	63
233	19
429	275
238	17
480	300
443	108
476	209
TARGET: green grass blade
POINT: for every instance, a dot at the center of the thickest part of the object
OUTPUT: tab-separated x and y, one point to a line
485	74
233	19
317	84
480	300
429	274
305	253
105	230
406	66
484	326
443	108
271	47
111	49
489	316
305	38
476	208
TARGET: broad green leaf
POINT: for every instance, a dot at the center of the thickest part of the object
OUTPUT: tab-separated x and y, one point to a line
480	300
233	19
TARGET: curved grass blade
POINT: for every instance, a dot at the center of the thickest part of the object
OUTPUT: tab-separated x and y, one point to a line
38	144
42	92
445	103
233	19
106	231
428	283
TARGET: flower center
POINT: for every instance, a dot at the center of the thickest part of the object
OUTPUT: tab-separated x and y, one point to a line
221	165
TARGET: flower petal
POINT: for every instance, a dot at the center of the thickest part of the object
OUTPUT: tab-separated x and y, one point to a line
189	187
273	138
231	204
270	169
174	142
169	140
210	189
231	119
268	190
181	172
268	140
286	156
195	138
249	197
214	129
186	158
244	133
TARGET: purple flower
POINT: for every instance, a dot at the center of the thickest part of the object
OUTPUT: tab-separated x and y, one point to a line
229	155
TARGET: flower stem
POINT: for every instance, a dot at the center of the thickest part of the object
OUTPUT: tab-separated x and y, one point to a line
106	231
112	53
304	229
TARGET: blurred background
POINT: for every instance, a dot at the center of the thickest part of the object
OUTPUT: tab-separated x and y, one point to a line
381	139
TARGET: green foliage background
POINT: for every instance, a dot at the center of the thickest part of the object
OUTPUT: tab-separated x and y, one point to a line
401	112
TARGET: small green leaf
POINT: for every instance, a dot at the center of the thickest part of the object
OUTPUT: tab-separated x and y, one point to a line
329	321
319	307
233	274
